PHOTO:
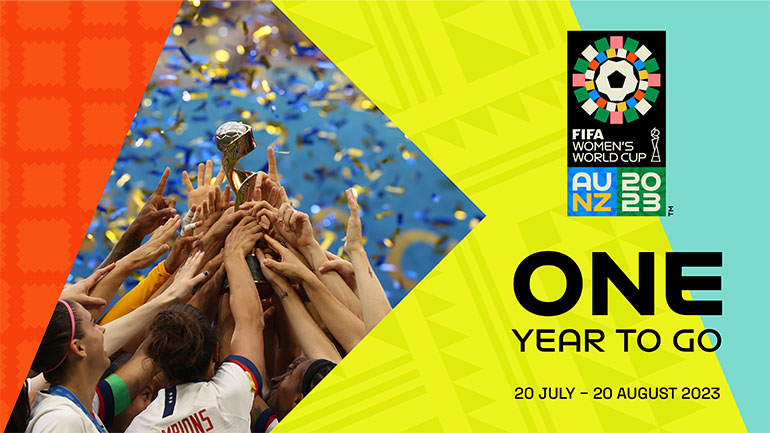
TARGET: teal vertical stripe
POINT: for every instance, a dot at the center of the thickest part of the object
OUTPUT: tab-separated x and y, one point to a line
718	158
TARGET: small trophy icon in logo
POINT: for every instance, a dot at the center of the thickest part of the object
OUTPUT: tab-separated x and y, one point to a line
655	134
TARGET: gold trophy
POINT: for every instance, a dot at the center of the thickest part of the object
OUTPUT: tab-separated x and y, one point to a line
235	140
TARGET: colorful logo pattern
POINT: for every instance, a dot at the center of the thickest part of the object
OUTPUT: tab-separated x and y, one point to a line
616	80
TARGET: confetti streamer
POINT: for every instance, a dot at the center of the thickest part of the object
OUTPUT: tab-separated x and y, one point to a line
245	61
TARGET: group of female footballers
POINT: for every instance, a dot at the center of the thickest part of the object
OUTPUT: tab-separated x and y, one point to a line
243	318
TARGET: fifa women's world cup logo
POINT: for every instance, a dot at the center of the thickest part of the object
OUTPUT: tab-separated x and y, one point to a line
616	80
616	122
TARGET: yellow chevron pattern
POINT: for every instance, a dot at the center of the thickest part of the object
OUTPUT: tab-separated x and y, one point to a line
479	87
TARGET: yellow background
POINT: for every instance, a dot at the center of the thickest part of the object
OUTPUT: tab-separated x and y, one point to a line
480	88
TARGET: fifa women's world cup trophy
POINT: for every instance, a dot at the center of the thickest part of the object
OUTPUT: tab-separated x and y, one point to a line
654	137
235	140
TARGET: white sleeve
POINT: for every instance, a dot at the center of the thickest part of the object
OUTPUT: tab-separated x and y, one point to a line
58	420
234	389
272	425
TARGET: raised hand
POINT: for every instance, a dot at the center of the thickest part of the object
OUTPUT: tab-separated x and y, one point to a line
80	291
218	232
275	279
354	238
156	211
272	167
342	267
185	279
196	196
269	183
290	265
182	248
242	237
155	247
374	302
343	323
120	331
139	258
280	196
255	206
254	193
271	191
206	295
293	226
215	205
213	265
276	195
192	220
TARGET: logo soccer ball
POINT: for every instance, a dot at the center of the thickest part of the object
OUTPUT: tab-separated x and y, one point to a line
616	80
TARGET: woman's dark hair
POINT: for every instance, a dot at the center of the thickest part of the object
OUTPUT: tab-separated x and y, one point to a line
56	341
181	343
117	360
315	372
20	415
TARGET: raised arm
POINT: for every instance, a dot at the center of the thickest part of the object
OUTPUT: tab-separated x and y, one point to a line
214	238
205	299
312	339
343	324
80	291
374	303
225	326
118	332
155	280
294	226
197	195
245	306
341	266
214	207
140	258
154	213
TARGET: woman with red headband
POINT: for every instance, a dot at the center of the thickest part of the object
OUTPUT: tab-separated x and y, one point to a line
72	358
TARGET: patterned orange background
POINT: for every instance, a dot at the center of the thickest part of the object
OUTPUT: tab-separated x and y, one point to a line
71	78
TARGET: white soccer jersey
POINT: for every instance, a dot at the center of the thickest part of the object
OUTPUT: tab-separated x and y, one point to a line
222	404
53	414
